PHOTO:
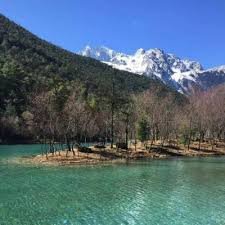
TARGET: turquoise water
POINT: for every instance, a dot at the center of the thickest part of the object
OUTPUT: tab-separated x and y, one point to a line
164	192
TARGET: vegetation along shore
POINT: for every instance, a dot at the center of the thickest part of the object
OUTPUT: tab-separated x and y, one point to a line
57	98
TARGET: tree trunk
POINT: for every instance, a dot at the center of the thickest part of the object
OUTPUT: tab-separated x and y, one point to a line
112	112
135	140
190	134
68	146
112	126
199	143
73	149
212	143
126	132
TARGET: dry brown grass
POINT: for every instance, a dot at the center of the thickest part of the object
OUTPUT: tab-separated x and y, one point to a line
114	155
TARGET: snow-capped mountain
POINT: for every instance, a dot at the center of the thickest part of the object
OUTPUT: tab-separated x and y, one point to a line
183	75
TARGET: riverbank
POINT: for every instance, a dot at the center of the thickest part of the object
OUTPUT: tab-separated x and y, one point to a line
108	155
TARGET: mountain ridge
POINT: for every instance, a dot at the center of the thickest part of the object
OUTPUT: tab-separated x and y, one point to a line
181	74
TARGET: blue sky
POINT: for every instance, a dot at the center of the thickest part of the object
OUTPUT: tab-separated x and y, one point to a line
192	29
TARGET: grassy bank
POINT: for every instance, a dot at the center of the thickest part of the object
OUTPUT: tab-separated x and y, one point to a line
115	155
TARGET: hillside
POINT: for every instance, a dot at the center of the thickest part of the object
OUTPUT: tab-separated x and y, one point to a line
28	63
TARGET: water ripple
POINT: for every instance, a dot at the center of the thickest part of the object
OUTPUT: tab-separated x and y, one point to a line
168	192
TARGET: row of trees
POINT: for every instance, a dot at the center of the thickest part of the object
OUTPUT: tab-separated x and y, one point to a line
148	117
79	118
206	116
201	119
74	115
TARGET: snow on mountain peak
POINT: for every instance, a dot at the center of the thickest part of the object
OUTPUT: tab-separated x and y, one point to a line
140	51
100	53
217	69
155	63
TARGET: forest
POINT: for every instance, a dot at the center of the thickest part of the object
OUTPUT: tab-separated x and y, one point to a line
119	120
30	65
50	95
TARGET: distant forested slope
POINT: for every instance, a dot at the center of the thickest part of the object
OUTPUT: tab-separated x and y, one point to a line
29	64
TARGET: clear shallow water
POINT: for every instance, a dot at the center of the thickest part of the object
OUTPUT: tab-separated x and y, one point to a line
165	192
